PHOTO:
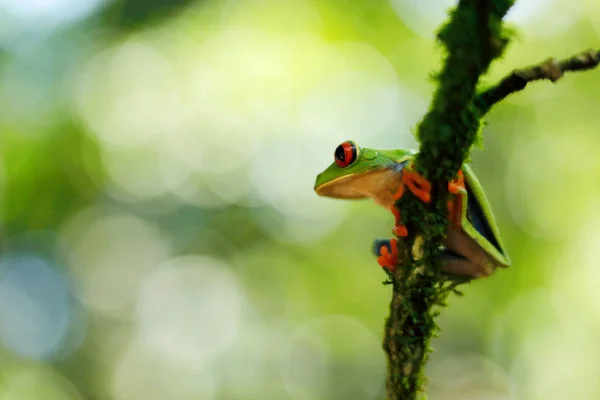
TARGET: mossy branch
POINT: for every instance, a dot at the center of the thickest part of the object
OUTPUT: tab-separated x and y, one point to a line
473	38
551	70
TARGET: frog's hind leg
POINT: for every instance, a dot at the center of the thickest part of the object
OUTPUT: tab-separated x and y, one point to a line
461	267
454	264
462	256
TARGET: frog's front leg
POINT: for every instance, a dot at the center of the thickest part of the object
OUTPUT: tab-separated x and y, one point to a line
419	186
399	229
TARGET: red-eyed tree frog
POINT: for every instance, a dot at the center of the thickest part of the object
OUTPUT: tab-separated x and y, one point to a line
472	247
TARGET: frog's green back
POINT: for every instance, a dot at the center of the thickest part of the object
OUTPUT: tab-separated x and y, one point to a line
396	154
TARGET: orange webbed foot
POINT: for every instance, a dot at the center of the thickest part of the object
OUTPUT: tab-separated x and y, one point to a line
387	259
400	231
417	184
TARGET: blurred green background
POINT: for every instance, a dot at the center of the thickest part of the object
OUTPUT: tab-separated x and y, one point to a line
162	240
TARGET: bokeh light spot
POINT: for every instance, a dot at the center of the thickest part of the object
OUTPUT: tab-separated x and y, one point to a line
423	17
468	376
536	334
116	101
40	15
545	18
537	194
190	309
36	307
536	18
143	372
330	349
140	173
576	272
111	253
359	100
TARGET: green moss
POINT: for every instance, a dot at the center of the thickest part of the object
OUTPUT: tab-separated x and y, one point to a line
472	39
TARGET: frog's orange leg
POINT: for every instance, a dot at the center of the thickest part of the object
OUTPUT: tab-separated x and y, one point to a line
399	229
387	259
421	188
417	184
456	187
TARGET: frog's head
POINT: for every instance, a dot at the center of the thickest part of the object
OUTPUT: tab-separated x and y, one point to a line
359	172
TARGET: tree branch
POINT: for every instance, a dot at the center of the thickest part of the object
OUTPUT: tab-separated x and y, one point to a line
473	38
550	69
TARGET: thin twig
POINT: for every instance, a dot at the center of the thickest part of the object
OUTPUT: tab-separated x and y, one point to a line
551	70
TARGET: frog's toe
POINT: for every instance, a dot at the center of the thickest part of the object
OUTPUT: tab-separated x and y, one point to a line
378	244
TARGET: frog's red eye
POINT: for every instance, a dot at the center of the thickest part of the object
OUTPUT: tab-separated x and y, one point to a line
345	154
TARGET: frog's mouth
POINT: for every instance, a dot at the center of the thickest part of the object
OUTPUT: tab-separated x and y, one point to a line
345	187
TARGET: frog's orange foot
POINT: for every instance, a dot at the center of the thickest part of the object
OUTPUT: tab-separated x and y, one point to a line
458	184
417	184
388	253
400	230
